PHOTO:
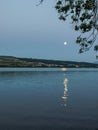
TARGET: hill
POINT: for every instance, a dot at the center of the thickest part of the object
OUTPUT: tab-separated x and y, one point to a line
10	61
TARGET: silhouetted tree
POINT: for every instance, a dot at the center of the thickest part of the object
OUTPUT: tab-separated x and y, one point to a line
84	17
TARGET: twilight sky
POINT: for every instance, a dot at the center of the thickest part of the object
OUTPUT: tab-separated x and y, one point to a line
27	30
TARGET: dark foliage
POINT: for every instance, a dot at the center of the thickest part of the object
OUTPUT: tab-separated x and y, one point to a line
84	18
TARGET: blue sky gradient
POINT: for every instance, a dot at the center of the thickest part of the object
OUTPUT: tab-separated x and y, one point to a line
27	30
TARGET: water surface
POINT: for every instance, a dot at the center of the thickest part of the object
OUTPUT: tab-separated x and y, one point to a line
48	98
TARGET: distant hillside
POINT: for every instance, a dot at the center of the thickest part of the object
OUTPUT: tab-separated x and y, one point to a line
10	61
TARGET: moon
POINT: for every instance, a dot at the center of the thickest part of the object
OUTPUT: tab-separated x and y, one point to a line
65	43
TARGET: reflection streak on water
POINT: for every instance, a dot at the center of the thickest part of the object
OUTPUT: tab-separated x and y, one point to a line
65	91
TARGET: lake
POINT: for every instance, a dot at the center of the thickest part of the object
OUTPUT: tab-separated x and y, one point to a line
48	99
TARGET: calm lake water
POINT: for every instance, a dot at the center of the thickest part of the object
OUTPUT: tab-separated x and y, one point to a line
48	99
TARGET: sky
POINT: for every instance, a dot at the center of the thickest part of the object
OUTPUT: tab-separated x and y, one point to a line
31	31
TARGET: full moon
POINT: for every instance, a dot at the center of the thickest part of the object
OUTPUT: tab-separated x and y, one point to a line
65	43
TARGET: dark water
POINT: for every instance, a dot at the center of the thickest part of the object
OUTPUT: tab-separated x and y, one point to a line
48	99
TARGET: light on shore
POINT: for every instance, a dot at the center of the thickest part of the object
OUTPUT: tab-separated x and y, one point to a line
63	69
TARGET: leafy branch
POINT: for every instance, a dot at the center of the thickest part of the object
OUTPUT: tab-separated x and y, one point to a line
84	17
